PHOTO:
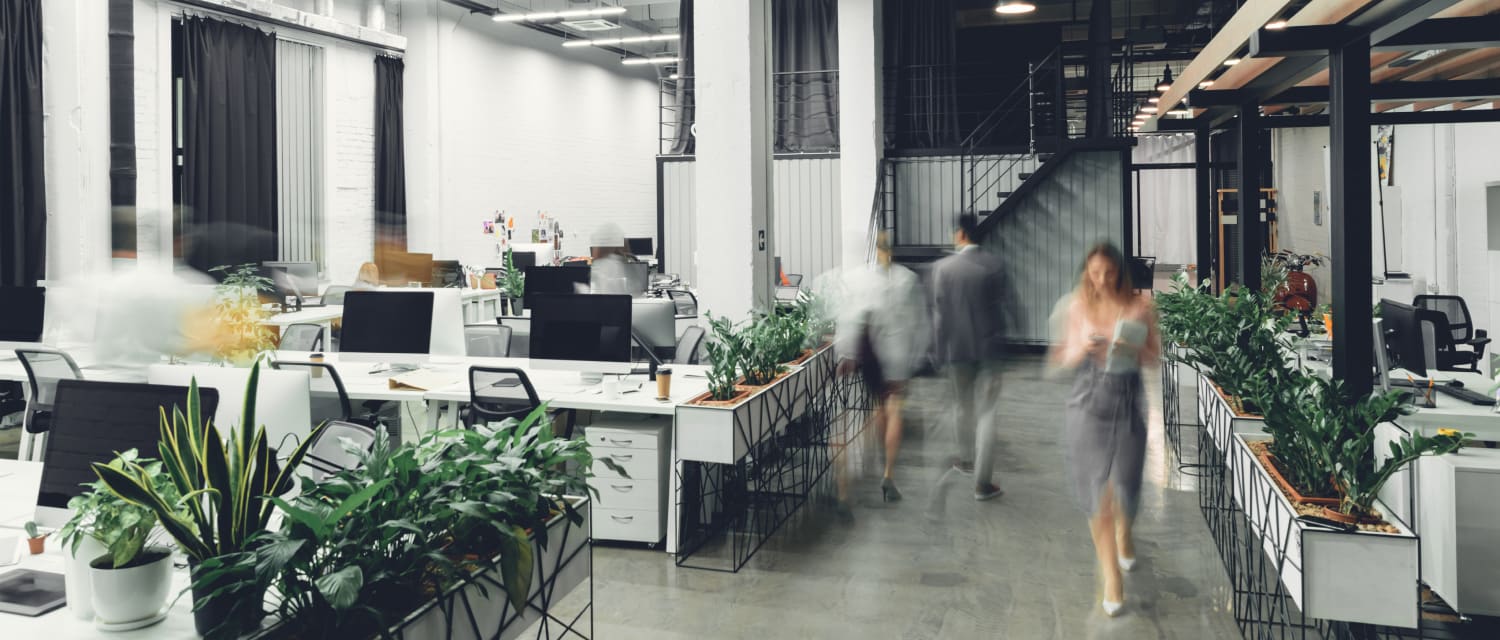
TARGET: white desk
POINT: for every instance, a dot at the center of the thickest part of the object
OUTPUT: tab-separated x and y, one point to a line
481	306
321	316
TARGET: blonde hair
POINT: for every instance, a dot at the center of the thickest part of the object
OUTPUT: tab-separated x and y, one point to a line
368	274
1123	287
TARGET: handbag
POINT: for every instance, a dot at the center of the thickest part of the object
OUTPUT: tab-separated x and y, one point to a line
868	361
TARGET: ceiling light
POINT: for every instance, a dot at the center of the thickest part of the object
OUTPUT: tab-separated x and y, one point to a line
1180	113
604	42
1166	79
1153	99
557	15
1205	84
657	60
1231	62
1149	109
1014	7
675	76
1278	24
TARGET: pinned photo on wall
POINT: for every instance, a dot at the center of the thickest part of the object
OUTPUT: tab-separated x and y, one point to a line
489	227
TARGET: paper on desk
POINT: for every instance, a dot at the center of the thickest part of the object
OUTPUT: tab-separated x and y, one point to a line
424	380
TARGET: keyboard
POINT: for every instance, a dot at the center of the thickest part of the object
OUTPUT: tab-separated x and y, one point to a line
1408	383
1465	394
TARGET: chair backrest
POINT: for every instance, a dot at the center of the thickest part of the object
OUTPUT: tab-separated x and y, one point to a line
687	346
43	370
329	452
302	337
497	393
487	340
313	369
334	294
1457	312
794	279
685	301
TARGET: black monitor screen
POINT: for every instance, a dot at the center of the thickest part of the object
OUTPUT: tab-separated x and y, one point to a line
544	280
24	311
639	246
293	278
447	273
92	421
1403	336
387	322
524	259
581	326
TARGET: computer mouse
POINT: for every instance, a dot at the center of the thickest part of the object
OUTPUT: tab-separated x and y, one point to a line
1456	384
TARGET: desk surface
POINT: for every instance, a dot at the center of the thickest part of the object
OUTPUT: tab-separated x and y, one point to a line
310	315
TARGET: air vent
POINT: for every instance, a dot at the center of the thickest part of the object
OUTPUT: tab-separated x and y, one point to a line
590	25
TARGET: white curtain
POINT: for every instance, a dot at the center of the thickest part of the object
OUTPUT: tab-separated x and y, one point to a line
1167	227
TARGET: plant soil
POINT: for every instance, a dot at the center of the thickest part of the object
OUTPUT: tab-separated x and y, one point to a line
705	399
1260	449
1237	405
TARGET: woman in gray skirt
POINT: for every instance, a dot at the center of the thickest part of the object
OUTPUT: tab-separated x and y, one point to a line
1107	334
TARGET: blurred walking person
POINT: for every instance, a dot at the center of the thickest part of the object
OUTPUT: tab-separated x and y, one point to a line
1107	334
968	290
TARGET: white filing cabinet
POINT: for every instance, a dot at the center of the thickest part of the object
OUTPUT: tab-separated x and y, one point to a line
634	508
1459	522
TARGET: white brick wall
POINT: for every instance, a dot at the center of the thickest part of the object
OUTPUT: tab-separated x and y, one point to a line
350	217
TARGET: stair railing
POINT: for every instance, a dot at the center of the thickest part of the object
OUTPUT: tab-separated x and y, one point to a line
1043	78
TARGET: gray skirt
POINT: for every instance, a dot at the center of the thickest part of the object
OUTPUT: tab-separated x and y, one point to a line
1106	437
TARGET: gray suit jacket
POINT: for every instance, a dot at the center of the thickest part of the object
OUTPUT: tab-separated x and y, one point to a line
969	306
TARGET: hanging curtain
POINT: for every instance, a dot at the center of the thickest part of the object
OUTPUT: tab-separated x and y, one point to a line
23	200
806	84
229	143
682	137
390	156
920	57
1168	213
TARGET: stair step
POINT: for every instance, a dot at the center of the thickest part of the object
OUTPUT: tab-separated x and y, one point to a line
1025	175
1043	157
1006	194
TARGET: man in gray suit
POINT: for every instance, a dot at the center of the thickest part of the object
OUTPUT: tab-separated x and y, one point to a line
968	291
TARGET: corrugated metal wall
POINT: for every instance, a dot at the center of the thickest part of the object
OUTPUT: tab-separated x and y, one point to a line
806	204
299	150
1044	240
930	192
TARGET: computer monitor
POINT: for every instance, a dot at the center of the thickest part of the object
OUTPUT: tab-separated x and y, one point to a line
447	273
24	315
387	322
640	247
1404	336
654	321
523	259
91	422
292	279
637	278
550	280
582	332
283	402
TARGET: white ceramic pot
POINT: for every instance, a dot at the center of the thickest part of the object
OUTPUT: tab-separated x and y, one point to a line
128	595
76	579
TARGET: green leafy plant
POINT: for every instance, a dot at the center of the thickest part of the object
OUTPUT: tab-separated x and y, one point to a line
1353	460
514	283
726	350
31	530
243	333
123	527
762	359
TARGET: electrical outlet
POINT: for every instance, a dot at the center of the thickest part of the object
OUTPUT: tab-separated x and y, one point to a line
1318	208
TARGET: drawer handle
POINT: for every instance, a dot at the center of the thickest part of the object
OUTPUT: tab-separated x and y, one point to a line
622	519
622	457
620	443
622	488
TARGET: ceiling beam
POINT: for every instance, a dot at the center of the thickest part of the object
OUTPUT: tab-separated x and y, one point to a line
1293	42
1388	118
1475	32
1450	90
1253	15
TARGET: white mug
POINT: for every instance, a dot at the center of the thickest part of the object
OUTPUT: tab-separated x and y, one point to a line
612	387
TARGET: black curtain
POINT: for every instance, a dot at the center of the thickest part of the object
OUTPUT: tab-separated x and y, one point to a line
390	156
682	141
921	90
229	143
806	60
23	198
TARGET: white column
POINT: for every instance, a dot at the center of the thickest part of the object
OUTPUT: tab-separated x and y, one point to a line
75	103
425	28
861	126
735	241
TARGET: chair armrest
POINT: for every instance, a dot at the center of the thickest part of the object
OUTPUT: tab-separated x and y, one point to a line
1481	334
1479	342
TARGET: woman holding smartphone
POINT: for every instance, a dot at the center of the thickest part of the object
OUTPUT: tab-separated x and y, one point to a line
1108	333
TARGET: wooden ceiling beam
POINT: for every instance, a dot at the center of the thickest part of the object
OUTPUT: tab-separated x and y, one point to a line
1253	15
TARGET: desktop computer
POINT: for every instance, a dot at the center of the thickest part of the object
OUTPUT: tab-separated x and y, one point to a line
25	313
640	247
637	278
523	259
447	273
584	332
296	280
387	322
554	280
653	321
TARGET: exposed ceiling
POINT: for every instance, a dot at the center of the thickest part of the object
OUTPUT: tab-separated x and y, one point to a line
641	18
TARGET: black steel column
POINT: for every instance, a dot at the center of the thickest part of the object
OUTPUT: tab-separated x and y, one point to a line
1251	229
1204	198
1349	159
1101	46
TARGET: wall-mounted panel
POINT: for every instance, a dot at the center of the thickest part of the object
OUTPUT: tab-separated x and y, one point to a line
930	192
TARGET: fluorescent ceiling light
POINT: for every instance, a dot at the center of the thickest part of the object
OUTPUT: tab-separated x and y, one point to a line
1231	62
1179	112
1149	109
557	15
1014	7
1276	24
657	60
603	42
1153	99
675	76
1205	84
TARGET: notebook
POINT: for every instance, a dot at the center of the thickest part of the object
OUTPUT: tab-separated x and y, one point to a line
31	593
1125	348
424	380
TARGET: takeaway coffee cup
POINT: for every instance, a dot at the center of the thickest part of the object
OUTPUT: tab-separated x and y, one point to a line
316	358
663	383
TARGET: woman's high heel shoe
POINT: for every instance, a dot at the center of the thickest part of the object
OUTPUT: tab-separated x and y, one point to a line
888	491
1111	608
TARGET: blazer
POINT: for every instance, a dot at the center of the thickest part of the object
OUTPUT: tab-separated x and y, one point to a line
969	308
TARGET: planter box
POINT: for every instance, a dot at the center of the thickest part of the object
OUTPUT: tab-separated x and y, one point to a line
724	434
1361	577
1220	421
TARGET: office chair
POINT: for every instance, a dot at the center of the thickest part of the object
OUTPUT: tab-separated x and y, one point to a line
328	453
687	346
334	294
346	410
497	393
487	340
685	301
302	337
793	279
1461	347
43	370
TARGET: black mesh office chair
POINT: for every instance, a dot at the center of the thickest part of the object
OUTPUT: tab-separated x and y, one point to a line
330	453
487	340
1461	347
497	393
316	369
334	294
684	300
687	346
302	337
43	370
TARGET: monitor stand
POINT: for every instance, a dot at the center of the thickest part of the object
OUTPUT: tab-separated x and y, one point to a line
591	377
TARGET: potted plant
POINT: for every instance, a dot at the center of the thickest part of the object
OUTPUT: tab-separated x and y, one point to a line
129	581
240	317
35	540
513	287
1360	479
225	486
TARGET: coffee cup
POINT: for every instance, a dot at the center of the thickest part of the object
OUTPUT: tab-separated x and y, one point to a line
663	383
611	387
316	358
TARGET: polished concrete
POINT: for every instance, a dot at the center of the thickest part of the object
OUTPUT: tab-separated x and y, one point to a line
939	564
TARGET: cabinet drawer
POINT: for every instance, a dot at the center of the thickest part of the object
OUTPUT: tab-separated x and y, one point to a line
621	439
639	464
628	525
628	494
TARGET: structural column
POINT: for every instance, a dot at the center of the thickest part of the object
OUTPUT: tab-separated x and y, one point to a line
1349	163
1252	229
1203	199
861	124
735	239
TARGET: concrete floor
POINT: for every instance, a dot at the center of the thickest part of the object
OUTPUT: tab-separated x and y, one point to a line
938	564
